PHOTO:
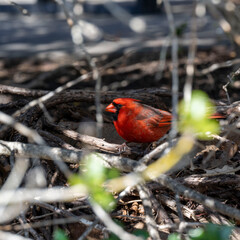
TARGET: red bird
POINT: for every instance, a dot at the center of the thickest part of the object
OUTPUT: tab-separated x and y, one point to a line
137	122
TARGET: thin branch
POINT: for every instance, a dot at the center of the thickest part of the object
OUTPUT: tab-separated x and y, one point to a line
11	236
162	59
12	183
150	222
23	221
175	80
88	230
89	96
111	225
21	9
171	203
209	202
22	129
136	24
32	135
70	156
68	214
45	223
217	66
91	141
55	194
179	207
190	61
147	157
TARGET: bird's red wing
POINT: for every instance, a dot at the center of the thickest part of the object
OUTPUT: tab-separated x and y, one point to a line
154	118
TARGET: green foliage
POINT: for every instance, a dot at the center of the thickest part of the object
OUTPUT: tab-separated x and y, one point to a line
141	233
59	234
93	176
112	236
210	232
137	232
195	115
174	236
181	29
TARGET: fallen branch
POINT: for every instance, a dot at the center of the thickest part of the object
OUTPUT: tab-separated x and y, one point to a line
69	156
217	66
209	202
55	194
144	94
111	225
145	195
9	236
97	143
171	203
201	182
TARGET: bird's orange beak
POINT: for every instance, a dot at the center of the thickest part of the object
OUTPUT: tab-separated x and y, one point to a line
111	108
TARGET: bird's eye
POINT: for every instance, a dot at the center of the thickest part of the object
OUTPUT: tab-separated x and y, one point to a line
118	106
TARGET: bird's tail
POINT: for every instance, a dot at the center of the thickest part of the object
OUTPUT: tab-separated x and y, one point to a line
217	116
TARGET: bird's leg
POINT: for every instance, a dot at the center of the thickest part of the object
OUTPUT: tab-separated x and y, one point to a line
123	148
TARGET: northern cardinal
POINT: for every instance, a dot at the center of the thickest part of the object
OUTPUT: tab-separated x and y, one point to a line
137	122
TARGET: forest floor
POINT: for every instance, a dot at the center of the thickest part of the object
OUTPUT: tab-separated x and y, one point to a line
134	75
129	67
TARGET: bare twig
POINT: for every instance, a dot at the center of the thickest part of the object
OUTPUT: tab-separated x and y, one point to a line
68	214
179	207
12	183
45	152
111	225
23	221
175	80
77	38
175	226
25	131
55	194
34	136
147	157
208	182
151	224
136	24
45	223
88	230
171	203
91	141
217	66
11	236
24	11
222	21
190	61
211	203
162	60
144	94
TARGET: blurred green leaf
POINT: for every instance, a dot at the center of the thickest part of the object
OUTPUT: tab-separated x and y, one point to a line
112	236
112	173
59	234
104	198
141	233
94	172
194	116
137	232
93	175
75	179
211	232
174	236
181	29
